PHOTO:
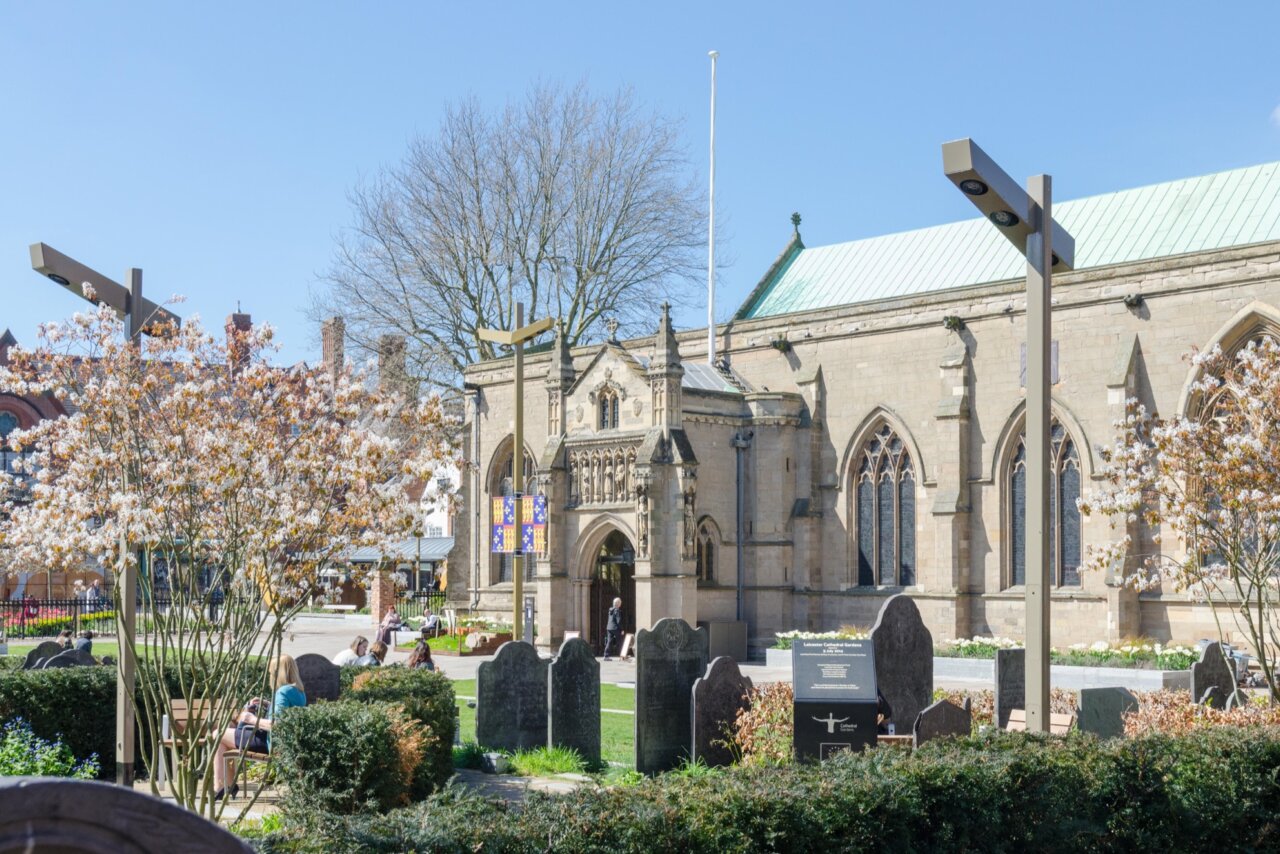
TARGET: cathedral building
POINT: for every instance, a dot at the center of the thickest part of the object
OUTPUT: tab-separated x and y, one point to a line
861	432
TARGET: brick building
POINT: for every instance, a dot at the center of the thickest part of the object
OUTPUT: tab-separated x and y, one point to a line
869	410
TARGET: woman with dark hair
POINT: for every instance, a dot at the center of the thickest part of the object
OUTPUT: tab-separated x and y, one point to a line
375	657
420	658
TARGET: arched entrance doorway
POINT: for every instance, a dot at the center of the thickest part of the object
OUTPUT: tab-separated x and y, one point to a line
614	577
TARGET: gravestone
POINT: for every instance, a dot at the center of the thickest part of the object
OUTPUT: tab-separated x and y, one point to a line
669	659
1102	711
718	696
573	700
1213	679
319	677
43	814
836	703
1011	683
904	660
69	658
47	649
511	692
943	719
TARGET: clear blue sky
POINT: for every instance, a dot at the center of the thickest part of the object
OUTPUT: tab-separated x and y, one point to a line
213	145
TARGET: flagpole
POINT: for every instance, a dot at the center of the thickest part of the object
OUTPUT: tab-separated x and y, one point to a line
711	226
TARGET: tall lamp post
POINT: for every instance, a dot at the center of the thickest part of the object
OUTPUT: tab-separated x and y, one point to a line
516	339
1026	219
140	315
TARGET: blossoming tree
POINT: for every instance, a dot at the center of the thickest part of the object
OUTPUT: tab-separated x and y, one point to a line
230	481
1212	480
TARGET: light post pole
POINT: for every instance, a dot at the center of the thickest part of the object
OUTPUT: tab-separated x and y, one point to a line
516	339
140	315
1026	219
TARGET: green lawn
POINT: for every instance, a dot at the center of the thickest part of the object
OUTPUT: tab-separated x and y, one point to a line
617	724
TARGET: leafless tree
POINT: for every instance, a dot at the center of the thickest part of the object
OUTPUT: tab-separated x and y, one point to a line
582	207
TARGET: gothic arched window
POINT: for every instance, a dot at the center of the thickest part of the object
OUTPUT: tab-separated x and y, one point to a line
502	484
884	497
708	537
1064	513
608	409
8	423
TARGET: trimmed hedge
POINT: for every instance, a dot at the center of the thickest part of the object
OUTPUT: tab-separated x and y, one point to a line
345	757
428	698
1215	790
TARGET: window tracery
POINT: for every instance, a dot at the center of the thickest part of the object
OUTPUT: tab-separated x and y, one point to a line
884	496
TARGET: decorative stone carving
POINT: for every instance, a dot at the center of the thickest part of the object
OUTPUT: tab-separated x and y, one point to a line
642	514
601	475
688	480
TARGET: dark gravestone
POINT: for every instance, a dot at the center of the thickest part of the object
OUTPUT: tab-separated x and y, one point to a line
835	696
44	814
669	659
904	660
1213	679
47	649
717	698
573	700
943	719
70	658
319	677
1102	711
511	692
1011	683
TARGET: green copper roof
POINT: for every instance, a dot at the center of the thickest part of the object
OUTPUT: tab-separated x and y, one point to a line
1217	211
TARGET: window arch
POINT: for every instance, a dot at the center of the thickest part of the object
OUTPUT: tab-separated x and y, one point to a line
708	541
884	502
8	423
1064	513
501	484
608	408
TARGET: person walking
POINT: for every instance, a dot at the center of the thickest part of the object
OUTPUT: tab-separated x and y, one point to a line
613	629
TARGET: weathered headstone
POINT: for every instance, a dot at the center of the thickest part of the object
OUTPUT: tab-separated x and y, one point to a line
50	814
904	660
669	659
319	677
47	649
836	704
511	692
70	658
718	696
943	719
1011	683
1102	711
573	700
1213	679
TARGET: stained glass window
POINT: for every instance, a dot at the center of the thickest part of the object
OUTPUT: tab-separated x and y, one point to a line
608	409
706	553
885	512
1064	514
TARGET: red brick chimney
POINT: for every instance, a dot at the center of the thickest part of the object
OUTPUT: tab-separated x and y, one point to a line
237	329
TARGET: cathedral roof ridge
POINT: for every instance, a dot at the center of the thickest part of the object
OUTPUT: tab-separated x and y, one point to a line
1236	207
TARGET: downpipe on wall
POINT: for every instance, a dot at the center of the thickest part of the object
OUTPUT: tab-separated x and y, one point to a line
741	441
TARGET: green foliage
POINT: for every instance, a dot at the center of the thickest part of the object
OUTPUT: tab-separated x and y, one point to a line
547	762
469	755
25	754
428	698
1004	792
72	705
345	757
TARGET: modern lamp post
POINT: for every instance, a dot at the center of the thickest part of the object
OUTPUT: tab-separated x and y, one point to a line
516	338
140	315
1026	219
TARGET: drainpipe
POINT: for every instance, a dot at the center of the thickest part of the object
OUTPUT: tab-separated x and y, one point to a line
741	441
473	401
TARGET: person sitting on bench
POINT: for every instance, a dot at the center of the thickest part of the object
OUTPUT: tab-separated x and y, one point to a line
252	732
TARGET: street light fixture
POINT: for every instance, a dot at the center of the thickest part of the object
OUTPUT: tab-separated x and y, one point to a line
140	316
1026	219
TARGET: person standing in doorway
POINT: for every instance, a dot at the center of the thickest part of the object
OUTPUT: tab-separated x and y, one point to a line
613	629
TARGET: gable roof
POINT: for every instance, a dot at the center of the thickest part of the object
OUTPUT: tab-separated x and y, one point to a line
1234	208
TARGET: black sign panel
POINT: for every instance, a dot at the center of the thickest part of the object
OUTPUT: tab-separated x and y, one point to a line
835	696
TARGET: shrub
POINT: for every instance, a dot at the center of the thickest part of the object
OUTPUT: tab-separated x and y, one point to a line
762	733
1169	712
1004	792
428	698
346	757
547	762
25	754
469	755
72	705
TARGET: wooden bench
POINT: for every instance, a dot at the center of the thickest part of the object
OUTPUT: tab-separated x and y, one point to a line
193	718
348	609
1058	724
